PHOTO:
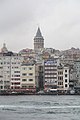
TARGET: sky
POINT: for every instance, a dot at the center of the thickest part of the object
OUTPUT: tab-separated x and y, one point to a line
59	21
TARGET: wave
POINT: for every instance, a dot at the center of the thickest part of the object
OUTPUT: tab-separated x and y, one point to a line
39	107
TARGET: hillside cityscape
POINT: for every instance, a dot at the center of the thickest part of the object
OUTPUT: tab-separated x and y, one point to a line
40	70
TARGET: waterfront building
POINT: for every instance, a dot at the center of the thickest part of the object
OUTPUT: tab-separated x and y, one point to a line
9	70
16	61
40	76
56	76
28	77
4	68
50	74
63	78
77	70
72	77
5	71
38	41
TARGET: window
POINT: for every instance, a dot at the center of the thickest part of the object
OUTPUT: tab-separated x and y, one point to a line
16	71
30	68
24	68
17	75
30	74
30	79
65	80
30	86
60	78
17	83
7	71
1	87
16	67
16	79
60	73
24	80
24	86
13	62
65	75
24	74
65	70
60	83
65	85
1	76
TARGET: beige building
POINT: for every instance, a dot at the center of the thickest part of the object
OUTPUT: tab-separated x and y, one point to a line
28	80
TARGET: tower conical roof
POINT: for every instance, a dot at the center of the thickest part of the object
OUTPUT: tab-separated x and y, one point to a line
38	34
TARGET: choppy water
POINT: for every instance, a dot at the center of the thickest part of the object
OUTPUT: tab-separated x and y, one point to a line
40	107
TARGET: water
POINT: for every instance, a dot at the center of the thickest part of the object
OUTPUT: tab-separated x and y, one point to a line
36	107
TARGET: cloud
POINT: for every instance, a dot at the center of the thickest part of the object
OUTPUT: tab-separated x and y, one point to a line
59	21
14	13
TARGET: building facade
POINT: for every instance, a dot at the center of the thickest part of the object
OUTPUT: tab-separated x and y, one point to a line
50	74
56	76
5	72
77	71
28	77
10	71
16	61
63	78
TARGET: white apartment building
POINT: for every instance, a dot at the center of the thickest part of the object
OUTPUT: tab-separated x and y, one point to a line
66	77
5	72
63	78
16	61
10	65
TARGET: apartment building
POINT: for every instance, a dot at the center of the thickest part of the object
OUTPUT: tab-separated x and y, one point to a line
28	77
63	78
10	65
50	74
15	82
77	71
56	76
5	71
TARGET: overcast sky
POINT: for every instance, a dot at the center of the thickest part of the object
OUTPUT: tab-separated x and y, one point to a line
59	21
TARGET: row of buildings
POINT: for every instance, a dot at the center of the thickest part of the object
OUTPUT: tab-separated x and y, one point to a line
40	68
